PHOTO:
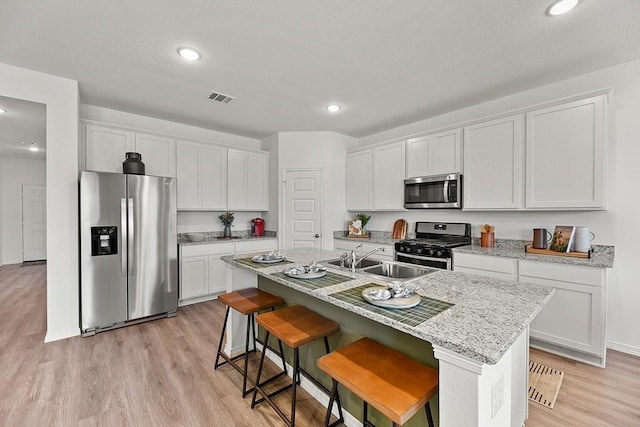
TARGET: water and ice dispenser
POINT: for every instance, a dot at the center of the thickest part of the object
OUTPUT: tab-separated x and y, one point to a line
104	240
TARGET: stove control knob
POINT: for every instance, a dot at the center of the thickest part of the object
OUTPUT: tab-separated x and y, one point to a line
430	252
439	253
419	250
407	249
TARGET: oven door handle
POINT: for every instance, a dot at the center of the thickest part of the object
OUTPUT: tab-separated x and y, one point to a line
426	258
445	191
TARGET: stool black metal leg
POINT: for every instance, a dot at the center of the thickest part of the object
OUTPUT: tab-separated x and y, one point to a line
427	408
224	328
257	386
246	356
296	371
365	418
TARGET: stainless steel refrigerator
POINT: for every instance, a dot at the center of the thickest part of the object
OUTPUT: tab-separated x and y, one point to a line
128	249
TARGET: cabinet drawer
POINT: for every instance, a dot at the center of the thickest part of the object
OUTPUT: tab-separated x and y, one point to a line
256	246
566	273
485	262
487	273
213	249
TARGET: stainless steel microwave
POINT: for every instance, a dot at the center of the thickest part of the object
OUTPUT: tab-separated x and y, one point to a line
433	192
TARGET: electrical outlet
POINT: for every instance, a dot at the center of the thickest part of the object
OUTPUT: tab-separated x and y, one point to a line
497	395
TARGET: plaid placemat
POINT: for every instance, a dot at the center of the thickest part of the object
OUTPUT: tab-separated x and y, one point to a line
247	261
328	280
410	316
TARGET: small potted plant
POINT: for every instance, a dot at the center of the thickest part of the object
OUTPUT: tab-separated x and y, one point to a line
364	219
226	219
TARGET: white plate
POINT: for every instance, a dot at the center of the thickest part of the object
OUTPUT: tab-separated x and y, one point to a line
409	302
309	275
262	260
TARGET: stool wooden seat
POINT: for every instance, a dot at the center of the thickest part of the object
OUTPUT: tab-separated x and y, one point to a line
391	382
248	302
294	326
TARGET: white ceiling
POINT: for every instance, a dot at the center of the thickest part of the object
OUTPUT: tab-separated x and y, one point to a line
386	62
22	124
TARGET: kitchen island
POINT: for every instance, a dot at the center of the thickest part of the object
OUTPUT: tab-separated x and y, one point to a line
478	330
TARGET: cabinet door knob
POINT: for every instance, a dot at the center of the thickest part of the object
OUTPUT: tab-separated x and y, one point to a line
316	236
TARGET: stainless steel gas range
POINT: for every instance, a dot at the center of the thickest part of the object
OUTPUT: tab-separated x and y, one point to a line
433	243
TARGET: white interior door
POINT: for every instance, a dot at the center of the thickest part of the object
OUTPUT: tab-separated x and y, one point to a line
34	223
303	209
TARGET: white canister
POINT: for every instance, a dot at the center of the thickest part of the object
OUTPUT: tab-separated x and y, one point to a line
582	239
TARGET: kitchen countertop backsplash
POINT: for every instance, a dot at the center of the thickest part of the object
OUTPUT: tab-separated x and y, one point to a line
212	237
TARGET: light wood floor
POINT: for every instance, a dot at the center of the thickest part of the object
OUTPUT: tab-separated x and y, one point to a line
160	374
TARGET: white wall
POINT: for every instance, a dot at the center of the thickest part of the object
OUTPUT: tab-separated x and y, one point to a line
61	98
14	173
619	225
165	127
322	150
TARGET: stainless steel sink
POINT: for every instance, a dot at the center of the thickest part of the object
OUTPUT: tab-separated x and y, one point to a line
347	263
398	271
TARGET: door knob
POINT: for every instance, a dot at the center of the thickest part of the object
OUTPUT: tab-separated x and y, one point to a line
316	236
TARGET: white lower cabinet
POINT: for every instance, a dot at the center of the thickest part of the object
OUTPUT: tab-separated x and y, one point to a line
348	245
575	317
499	268
202	272
573	322
203	275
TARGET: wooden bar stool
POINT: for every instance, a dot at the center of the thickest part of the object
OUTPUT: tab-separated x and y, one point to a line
391	382
295	326
248	302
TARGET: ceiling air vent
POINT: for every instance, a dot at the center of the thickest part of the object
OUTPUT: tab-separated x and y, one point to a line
221	97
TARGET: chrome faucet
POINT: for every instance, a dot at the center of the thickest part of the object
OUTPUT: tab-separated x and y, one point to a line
353	258
371	252
355	261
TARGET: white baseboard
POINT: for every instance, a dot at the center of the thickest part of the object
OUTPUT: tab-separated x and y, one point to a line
314	391
61	335
624	348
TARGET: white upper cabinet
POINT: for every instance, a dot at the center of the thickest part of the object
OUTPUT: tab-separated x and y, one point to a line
359	179
213	164
388	176
158	154
566	156
375	178
494	164
436	154
105	149
202	176
189	175
248	180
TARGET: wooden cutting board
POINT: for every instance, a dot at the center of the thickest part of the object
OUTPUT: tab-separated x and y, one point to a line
399	229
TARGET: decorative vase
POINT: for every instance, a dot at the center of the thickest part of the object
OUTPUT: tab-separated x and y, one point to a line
487	240
227	231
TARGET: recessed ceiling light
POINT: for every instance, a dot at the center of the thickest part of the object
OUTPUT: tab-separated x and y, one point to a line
189	54
2	111
333	108
561	6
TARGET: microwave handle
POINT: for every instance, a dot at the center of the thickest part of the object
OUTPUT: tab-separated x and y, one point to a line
445	191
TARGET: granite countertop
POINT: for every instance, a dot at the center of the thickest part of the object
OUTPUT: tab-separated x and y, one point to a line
210	237
378	237
602	256
487	317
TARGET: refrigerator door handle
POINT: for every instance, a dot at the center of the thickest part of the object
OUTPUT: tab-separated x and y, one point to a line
131	242
123	235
